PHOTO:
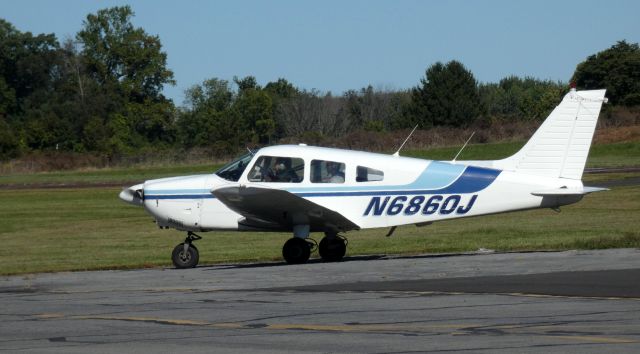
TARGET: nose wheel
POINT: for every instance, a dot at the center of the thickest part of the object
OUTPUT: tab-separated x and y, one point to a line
186	255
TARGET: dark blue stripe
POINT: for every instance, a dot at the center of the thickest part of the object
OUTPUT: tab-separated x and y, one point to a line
180	196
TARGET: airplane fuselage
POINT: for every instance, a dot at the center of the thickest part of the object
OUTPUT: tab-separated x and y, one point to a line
411	191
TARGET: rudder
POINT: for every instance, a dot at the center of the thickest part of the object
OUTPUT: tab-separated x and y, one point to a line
560	146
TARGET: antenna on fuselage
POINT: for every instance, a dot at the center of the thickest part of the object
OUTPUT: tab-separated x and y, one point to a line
463	146
397	153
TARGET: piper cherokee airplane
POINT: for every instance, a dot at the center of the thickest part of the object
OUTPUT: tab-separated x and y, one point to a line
304	189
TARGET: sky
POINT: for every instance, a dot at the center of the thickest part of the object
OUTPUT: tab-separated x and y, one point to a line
341	45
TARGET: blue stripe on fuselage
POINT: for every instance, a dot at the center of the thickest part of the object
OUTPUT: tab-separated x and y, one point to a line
180	196
472	179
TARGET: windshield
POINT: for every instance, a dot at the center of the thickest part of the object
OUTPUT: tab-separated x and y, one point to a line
233	170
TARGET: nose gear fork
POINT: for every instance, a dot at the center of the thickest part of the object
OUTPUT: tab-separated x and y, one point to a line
186	255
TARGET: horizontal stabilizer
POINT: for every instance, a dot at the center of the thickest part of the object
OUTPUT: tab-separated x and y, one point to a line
566	191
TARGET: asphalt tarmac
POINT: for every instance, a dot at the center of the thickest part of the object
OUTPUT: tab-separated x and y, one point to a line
553	302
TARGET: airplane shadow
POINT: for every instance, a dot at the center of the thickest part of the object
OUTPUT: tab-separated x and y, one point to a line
345	259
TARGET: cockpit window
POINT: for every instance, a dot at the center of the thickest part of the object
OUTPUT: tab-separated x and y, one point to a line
277	169
233	170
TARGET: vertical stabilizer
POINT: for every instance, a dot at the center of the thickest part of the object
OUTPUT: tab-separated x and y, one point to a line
559	148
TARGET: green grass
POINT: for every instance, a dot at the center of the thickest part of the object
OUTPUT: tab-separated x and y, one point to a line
44	230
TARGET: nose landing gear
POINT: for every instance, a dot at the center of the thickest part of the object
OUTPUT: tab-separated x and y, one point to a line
186	255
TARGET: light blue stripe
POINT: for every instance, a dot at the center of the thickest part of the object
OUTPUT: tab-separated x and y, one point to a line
177	191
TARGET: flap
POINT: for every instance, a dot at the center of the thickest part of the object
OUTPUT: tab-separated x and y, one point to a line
281	207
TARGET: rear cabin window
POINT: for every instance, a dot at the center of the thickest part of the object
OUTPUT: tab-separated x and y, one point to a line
279	169
368	174
327	171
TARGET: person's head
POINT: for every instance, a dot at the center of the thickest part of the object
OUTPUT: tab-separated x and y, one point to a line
282	164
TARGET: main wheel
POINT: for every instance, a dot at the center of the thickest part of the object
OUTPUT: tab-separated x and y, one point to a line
182	259
296	251
332	249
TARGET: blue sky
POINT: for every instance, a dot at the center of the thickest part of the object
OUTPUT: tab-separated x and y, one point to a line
339	45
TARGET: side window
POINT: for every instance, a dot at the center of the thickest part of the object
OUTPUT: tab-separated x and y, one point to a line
277	169
327	171
368	174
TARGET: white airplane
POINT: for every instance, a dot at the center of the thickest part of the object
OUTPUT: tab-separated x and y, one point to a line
304	189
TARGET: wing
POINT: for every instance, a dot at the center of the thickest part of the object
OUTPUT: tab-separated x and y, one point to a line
277	206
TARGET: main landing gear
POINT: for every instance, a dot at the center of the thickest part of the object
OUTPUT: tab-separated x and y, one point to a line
332	247
297	250
185	255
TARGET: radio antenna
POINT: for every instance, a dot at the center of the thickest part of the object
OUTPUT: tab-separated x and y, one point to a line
463	146
397	153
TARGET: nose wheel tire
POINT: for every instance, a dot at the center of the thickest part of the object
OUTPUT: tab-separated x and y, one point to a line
332	249
182	259
296	250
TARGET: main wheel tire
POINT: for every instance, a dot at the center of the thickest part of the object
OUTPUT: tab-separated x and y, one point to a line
184	260
332	249
296	251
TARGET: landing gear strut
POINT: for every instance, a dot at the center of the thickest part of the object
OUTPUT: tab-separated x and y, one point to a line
186	255
332	247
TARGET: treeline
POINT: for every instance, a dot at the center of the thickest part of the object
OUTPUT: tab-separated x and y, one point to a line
101	92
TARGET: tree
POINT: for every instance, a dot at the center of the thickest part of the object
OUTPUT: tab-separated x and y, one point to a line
26	65
281	89
447	95
254	107
312	114
617	69
372	109
129	67
246	83
209	119
516	98
118	54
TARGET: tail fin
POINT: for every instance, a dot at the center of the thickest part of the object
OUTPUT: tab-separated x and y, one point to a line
559	148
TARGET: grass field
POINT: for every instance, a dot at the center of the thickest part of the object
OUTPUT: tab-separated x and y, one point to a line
45	230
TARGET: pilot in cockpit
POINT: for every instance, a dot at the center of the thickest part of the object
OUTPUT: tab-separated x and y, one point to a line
283	171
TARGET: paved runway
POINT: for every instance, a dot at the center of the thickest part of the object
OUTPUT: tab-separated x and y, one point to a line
575	301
